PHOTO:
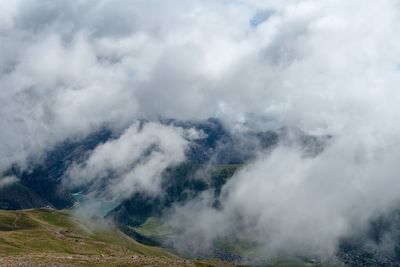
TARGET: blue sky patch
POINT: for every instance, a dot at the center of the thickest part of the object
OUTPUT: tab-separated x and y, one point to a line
260	17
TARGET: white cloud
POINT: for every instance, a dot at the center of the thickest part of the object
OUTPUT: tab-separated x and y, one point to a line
132	163
331	67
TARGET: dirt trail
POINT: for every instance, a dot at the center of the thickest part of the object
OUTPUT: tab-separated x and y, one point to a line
52	259
17	217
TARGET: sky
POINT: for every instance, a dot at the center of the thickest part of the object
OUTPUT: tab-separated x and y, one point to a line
326	67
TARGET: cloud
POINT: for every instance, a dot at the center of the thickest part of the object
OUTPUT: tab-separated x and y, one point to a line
288	204
7	180
132	163
328	67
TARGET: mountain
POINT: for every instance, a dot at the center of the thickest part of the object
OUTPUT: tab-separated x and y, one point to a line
41	184
17	196
180	184
210	162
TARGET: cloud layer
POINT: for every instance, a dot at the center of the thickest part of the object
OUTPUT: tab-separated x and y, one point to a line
328	67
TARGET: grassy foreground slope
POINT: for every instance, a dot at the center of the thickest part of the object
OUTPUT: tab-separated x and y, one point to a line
43	237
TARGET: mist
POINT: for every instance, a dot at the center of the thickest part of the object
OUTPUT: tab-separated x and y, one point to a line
329	67
132	163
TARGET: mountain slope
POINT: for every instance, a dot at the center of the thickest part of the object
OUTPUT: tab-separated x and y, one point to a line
43	176
17	196
43	237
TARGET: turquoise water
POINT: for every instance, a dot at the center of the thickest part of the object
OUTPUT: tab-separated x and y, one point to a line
93	206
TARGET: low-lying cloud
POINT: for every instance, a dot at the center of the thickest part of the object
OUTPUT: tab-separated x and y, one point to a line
328	67
7	180
132	163
288	204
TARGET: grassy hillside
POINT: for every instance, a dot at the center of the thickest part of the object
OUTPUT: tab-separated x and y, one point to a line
44	237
